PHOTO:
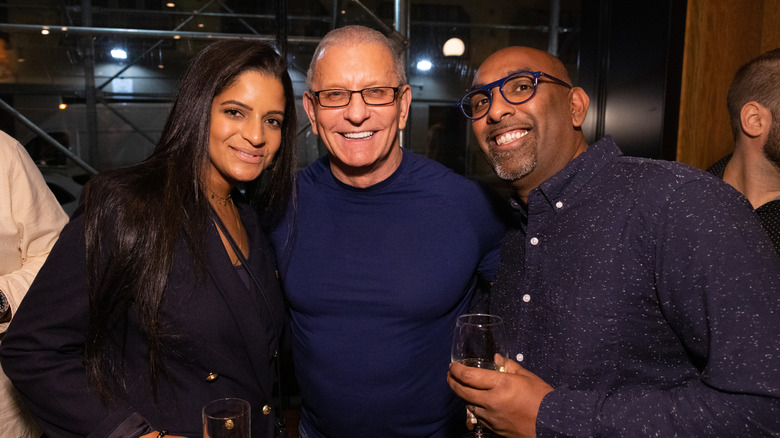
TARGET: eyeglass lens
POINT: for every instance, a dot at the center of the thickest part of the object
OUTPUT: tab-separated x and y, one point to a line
516	89
371	96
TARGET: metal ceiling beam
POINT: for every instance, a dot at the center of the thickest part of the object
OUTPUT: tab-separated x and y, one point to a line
83	30
47	137
398	37
150	49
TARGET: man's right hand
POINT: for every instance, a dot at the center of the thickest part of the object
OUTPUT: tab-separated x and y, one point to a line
507	402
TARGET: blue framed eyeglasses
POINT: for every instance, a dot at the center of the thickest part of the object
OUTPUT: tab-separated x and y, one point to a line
517	88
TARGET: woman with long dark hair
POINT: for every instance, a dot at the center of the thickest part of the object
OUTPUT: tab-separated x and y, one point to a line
161	294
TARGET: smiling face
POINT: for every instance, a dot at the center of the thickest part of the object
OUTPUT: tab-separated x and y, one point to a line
362	139
245	130
528	143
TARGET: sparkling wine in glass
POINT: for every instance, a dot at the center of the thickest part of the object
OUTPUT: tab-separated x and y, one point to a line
478	339
227	418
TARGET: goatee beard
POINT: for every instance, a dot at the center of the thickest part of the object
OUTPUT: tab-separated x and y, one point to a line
512	165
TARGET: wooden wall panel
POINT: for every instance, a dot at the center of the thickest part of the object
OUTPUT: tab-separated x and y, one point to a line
770	31
720	36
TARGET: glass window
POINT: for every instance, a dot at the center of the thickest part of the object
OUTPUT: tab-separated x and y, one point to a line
138	49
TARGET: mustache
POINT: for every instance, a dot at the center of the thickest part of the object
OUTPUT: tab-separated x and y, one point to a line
509	125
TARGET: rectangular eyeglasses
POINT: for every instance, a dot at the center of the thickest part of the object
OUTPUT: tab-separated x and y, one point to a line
340	97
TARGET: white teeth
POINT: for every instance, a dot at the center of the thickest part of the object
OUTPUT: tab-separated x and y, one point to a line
358	135
510	136
248	155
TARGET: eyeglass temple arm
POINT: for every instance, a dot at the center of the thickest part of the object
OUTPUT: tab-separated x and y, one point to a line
554	79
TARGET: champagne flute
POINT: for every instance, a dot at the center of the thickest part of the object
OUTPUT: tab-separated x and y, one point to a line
478	339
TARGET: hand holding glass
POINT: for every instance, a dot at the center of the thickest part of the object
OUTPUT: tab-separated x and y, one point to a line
227	418
478	339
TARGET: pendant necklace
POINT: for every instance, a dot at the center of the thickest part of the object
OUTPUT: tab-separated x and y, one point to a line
221	199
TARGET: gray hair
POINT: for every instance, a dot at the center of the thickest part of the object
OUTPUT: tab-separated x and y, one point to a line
756	81
354	35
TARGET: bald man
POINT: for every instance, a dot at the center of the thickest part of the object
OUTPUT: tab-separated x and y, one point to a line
633	308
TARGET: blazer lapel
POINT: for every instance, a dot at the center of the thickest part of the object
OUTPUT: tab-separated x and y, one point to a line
246	305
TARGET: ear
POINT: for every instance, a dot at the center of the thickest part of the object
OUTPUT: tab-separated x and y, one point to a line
309	105
404	102
755	119
579	106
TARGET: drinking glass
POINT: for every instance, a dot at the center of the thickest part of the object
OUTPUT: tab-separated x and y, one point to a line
227	418
478	339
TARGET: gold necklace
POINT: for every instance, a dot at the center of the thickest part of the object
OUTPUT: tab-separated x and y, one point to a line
221	199
240	228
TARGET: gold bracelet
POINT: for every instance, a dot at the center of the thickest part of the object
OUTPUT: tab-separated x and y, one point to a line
162	434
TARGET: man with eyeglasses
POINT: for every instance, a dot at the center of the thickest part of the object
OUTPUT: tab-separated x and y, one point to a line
382	252
641	296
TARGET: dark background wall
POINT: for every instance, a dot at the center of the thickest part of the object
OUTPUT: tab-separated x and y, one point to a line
630	65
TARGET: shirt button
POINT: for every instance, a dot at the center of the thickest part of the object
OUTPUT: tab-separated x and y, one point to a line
559	204
519	357
526	298
212	377
534	241
266	409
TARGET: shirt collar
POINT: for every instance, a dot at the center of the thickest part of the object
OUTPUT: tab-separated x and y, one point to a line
569	180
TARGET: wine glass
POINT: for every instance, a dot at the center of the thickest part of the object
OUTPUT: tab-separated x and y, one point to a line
227	418
478	339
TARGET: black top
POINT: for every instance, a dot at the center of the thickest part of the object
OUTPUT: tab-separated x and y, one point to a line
768	214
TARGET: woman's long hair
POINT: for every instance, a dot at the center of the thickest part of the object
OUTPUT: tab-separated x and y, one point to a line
136	217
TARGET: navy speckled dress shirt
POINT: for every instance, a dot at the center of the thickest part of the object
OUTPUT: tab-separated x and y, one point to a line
646	293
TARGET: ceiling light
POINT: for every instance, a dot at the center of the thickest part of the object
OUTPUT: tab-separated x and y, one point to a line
453	47
118	54
170	4
424	65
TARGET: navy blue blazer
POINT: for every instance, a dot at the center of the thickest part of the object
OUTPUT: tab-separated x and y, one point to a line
225	345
